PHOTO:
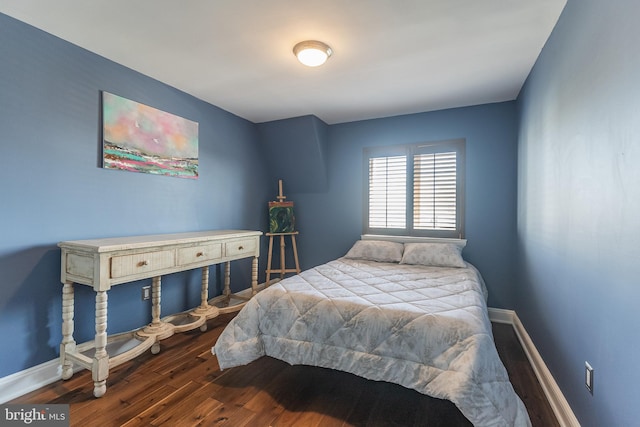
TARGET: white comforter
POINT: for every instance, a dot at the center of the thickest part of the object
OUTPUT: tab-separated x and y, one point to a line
425	328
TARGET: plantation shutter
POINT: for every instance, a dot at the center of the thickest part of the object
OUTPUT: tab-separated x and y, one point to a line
388	192
434	191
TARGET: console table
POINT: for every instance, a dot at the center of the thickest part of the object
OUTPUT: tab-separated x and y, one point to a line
103	263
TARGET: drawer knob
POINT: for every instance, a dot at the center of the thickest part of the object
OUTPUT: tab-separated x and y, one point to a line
199	254
240	247
143	263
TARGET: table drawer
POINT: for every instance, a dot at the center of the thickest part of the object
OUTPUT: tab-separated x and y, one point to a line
79	265
199	253
131	265
240	247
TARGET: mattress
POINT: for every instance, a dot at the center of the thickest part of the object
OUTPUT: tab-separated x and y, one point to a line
425	328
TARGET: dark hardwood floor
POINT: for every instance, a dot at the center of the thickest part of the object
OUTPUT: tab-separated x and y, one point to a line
183	386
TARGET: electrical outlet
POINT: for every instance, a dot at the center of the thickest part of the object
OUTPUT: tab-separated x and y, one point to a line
146	293
588	377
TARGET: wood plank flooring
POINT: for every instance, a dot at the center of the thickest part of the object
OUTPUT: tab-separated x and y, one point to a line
183	386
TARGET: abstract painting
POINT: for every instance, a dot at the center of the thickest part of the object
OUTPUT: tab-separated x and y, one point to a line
140	138
281	217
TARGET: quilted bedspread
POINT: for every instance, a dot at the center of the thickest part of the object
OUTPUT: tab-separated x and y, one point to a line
425	328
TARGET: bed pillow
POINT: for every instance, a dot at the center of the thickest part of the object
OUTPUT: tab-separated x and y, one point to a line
376	250
433	254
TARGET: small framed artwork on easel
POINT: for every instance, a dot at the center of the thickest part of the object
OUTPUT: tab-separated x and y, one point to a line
281	217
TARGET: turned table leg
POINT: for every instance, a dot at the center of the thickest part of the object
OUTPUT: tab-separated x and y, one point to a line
205	310
254	276
100	367
227	280
157	329
204	294
68	344
204	288
156	298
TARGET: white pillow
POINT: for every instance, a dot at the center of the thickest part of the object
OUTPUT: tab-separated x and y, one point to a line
376	250
433	254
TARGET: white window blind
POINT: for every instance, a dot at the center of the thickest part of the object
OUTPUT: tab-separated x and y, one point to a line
434	191
388	192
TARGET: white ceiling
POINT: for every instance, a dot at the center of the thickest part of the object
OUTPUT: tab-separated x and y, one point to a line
390	57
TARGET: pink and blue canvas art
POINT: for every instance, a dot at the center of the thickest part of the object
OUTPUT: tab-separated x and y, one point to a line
140	138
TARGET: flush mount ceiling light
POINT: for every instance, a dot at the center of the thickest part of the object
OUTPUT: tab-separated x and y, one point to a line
312	52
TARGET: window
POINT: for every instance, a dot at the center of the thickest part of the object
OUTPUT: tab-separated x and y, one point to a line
415	189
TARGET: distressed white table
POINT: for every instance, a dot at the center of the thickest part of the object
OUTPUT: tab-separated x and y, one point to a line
103	263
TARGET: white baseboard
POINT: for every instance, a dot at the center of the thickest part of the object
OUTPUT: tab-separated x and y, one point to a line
15	385
554	395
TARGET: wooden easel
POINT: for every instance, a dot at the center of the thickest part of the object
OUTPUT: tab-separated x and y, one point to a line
282	270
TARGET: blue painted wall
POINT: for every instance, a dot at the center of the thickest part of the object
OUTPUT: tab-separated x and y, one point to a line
53	189
330	222
295	150
579	208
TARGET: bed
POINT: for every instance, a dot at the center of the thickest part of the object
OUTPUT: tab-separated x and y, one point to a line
411	313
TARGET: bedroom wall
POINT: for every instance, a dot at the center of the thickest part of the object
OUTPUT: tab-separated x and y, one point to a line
296	151
578	208
330	222
52	188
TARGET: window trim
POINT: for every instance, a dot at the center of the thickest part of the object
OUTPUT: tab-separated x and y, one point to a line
409	150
